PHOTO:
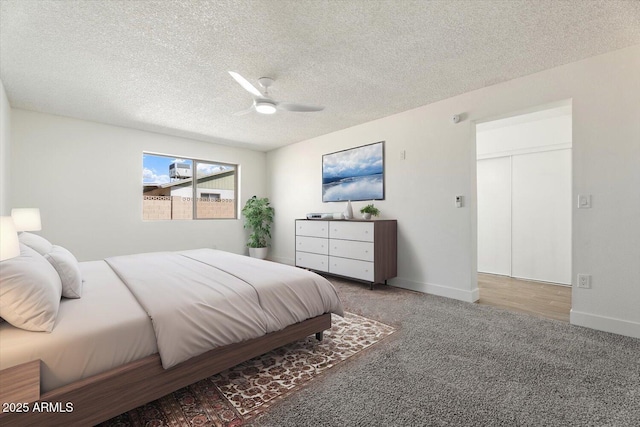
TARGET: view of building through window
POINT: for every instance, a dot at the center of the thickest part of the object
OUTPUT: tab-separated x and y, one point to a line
180	188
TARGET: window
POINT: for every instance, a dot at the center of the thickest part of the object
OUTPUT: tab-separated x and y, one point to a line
182	188
210	196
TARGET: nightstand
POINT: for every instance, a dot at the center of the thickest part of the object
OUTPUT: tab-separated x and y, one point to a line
20	383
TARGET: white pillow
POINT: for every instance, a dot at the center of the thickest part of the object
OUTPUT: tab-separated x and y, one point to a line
68	269
61	259
35	242
30	290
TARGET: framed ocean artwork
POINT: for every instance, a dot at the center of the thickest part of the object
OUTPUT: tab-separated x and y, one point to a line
354	174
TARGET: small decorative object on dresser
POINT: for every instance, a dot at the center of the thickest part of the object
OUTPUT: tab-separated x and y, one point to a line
348	212
363	250
369	210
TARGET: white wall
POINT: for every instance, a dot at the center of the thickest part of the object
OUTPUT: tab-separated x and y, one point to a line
5	151
437	242
86	178
547	129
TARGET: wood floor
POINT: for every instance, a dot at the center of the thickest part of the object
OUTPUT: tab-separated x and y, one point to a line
537	298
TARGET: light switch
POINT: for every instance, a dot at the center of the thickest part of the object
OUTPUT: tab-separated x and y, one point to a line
584	201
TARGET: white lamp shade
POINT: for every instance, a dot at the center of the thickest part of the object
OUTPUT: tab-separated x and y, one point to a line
26	219
9	243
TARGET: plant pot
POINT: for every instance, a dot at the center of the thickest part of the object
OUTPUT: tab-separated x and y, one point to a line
260	253
366	215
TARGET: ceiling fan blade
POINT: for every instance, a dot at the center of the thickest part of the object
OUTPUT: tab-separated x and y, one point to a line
245	84
300	108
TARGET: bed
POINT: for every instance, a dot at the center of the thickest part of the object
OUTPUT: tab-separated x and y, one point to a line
115	348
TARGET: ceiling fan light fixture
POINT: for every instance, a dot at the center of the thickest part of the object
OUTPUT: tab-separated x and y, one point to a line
265	107
262	101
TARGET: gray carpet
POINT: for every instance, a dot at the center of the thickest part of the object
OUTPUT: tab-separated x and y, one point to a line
459	364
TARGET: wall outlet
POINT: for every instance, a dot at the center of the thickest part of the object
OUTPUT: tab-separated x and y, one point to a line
584	281
403	154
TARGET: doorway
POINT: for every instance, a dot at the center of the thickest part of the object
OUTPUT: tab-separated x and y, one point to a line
524	211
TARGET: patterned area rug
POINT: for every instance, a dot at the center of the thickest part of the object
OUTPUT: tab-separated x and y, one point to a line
241	393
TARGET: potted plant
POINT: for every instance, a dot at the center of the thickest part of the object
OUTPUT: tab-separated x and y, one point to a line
368	211
258	217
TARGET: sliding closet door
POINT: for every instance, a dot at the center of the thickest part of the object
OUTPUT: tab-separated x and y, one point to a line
494	216
541	220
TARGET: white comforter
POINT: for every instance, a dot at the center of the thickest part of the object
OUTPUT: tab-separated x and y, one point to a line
204	298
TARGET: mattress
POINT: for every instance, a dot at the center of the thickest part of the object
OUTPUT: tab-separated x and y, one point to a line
104	329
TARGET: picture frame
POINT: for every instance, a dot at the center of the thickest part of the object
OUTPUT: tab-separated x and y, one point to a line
354	174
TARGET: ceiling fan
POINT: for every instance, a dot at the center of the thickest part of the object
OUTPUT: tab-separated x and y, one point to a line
263	103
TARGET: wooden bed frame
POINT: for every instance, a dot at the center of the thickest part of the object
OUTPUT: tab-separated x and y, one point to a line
103	396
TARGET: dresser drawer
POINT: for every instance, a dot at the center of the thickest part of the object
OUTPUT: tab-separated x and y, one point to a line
312	228
357	269
351	249
312	261
316	245
350	230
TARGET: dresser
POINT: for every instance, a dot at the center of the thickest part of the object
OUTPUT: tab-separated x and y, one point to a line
364	250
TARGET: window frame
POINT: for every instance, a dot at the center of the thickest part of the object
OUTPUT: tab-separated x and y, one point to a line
194	187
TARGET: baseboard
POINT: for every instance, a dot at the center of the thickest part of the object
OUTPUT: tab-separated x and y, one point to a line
444	291
427	288
603	323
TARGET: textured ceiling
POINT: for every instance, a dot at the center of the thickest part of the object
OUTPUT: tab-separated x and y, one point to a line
162	65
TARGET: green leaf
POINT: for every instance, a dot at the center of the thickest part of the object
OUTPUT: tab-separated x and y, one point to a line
258	217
